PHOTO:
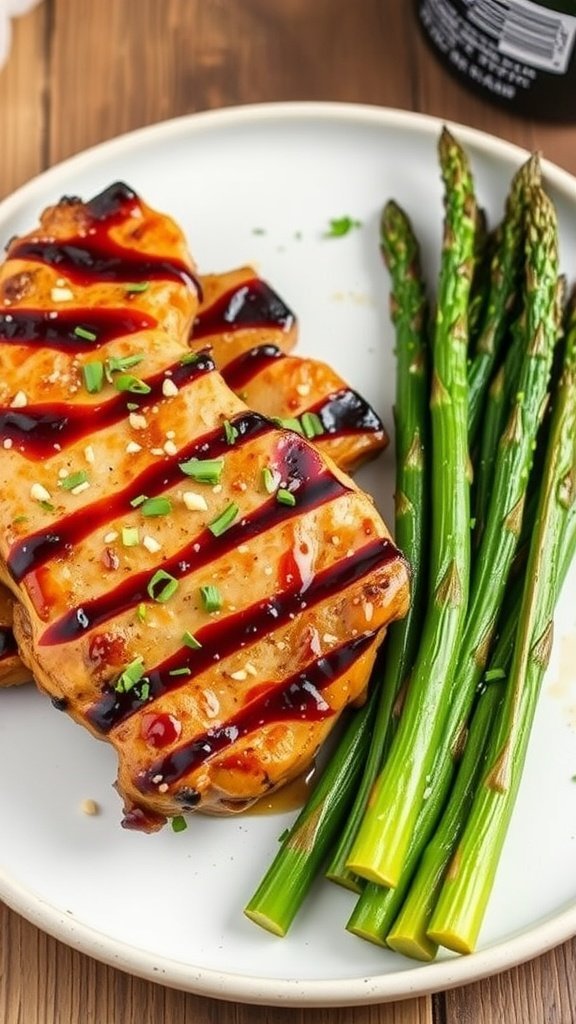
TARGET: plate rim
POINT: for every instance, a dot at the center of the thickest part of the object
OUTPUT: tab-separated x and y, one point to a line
410	983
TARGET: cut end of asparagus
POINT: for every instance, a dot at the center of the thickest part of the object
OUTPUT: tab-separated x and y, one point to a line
451	940
418	947
365	933
347	879
373	873
265	922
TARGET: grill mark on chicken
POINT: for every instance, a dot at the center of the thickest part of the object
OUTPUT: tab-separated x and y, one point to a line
252	304
7	643
36	328
36	549
344	412
316	489
297	697
37	428
94	256
220	639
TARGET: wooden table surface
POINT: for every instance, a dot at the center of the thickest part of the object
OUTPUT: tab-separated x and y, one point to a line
81	71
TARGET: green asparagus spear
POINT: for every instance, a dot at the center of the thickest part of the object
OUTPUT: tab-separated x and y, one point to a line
288	879
504	286
401	253
383	840
462	902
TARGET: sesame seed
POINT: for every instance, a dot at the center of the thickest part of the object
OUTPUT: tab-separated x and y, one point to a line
217	488
133	447
151	545
163	787
62	473
89	454
111	536
19	400
39	493
169	389
250	668
89	807
239	676
243	549
329	638
170	448
368	611
170	435
335	540
303	389
61	295
268	570
194	502
280	645
7	442
156	779
156	451
137	421
80	487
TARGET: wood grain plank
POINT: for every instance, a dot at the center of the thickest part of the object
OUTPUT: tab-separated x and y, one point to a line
116	66
540	992
45	982
22	90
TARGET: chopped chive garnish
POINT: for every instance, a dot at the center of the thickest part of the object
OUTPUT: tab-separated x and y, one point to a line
284	835
141	612
311	425
179	824
340	226
130	536
494	673
93	374
138	286
47	506
138	501
19	519
258	231
224	521
132	406
189	358
285	497
156	507
269	480
127	382
289	423
205	471
189	640
230	432
162	586
130	675
184	671
144	690
116	364
211	598
85	334
73	480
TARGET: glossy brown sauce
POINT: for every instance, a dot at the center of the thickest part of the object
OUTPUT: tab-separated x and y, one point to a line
251	304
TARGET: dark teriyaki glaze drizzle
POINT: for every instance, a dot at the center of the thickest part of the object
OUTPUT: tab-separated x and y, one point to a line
343	412
37	548
36	429
313	486
346	412
7	643
94	255
246	366
42	329
220	639
297	698
251	304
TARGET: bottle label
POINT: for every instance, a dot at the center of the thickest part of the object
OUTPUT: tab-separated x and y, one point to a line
501	44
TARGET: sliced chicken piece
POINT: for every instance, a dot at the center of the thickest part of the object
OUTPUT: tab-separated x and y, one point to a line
12	670
250	330
202	588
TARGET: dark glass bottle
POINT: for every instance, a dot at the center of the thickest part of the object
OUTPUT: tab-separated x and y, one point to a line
518	53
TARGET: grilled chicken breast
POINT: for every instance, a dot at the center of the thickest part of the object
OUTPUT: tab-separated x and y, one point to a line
12	670
195	584
250	331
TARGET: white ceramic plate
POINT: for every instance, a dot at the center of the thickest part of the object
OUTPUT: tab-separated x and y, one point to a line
169	906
